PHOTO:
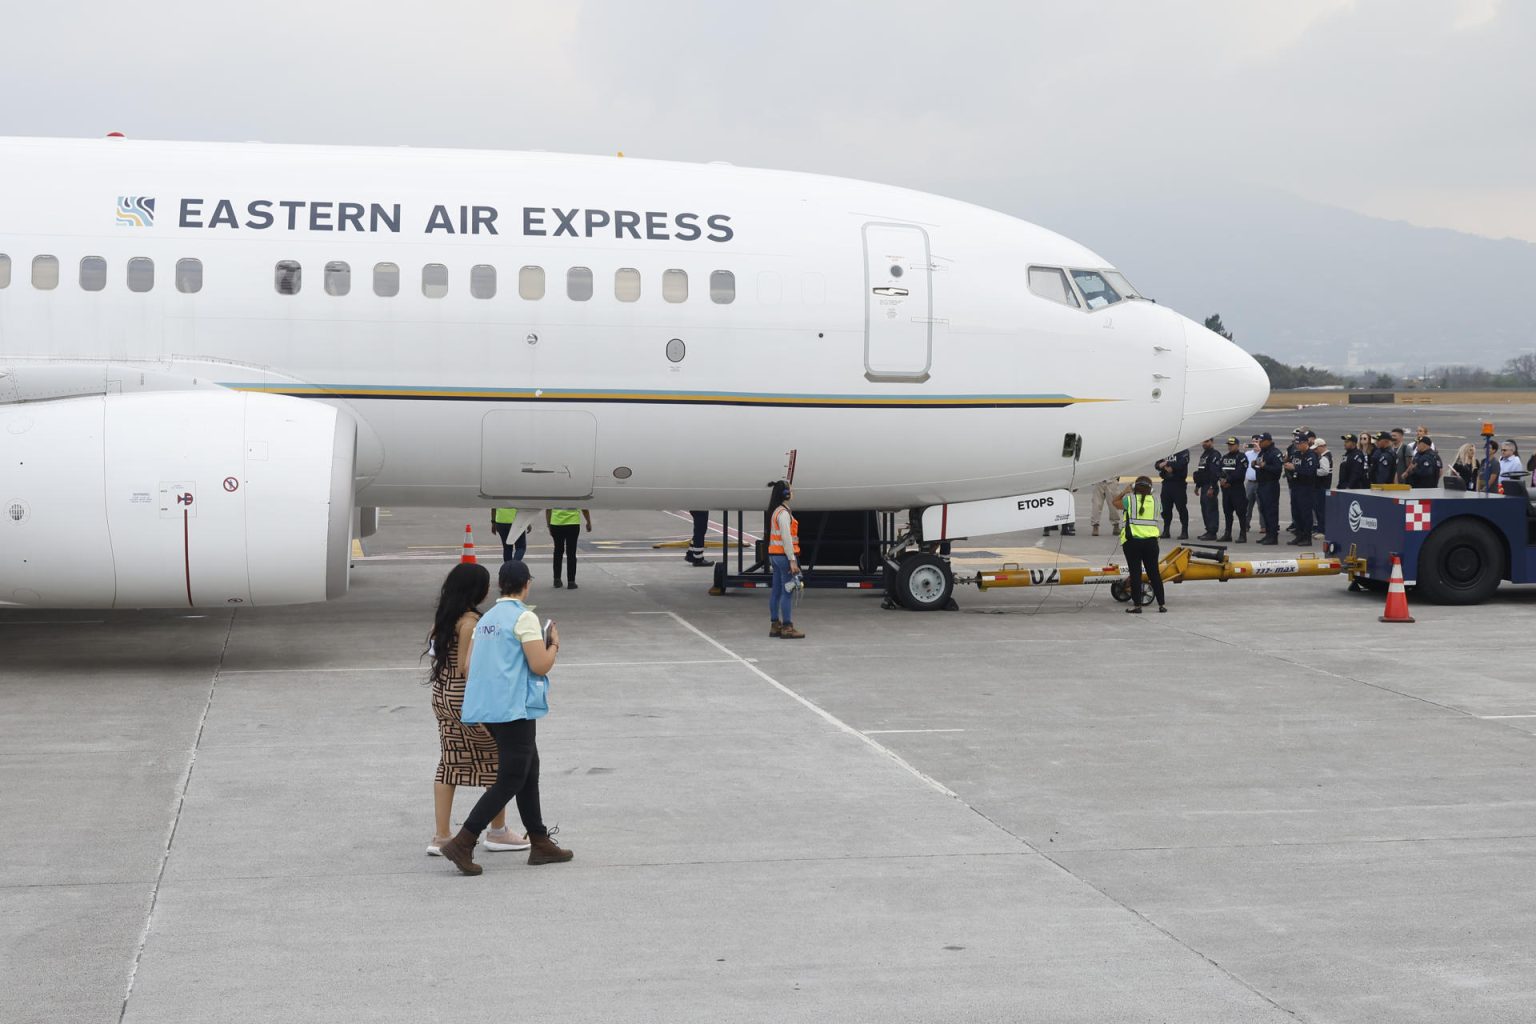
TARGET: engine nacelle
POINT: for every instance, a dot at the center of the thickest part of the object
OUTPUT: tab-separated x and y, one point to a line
190	499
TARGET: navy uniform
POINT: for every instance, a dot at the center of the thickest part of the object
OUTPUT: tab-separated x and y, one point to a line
1231	478
1353	475
1290	475
1321	485
1207	473
1175	473
1425	469
1303	482
1382	464
1266	471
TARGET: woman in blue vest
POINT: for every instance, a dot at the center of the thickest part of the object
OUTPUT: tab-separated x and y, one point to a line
1138	537
508	691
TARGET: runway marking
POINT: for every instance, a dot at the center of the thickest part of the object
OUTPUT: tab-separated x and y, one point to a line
55	622
1506	716
838	723
892	732
423	667
724	530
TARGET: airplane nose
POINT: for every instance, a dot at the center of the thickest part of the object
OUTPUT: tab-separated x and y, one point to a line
1223	385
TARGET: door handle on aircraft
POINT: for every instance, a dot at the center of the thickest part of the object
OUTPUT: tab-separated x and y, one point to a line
530	469
890	291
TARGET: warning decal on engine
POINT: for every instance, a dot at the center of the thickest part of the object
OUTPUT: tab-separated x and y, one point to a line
178	499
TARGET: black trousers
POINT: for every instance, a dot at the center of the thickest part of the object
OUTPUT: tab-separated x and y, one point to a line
1234	502
510	549
1210	509
700	528
1140	553
1175	496
517	778
1319	508
1301	507
1269	507
565	547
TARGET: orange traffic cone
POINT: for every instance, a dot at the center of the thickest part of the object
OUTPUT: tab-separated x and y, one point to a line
1397	596
468	557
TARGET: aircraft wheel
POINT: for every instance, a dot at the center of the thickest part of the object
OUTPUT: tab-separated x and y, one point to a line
924	583
1462	562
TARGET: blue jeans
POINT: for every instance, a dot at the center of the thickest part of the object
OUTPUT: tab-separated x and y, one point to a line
780	606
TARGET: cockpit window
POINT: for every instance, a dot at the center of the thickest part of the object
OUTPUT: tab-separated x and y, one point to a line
1051	283
1121	285
1096	291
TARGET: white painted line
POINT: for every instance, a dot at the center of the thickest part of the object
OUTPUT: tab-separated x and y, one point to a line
724	530
642	664
55	622
843	726
423	667
1506	716
892	732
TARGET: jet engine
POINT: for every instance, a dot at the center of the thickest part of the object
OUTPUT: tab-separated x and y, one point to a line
179	499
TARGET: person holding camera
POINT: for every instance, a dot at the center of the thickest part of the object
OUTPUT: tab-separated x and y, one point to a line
1138	539
1174	469
784	558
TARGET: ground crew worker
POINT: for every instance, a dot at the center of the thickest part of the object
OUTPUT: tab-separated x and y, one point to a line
695	555
1138	538
1321	485
1426	467
1303	467
1267	470
1231	473
1106	494
1207	476
502	521
565	528
784	557
1174	470
1352	469
1382	462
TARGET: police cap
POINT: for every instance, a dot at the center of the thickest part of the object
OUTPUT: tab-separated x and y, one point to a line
1347	437
1427	440
1231	440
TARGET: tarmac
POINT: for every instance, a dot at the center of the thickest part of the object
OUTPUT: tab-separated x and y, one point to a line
1263	806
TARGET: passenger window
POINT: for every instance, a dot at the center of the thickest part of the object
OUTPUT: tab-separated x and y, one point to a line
338	278
386	280
626	284
722	287
189	276
288	277
530	283
434	280
1051	283
1096	291
674	285
93	274
770	290
482	281
45	272
578	284
5	270
141	274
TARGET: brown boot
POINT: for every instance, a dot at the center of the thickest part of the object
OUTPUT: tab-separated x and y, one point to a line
461	850
545	851
775	628
1095	529
789	632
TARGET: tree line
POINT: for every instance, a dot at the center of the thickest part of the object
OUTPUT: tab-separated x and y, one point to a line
1519	372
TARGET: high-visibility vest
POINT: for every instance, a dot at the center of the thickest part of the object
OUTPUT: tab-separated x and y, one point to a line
504	515
565	517
776	542
1140	517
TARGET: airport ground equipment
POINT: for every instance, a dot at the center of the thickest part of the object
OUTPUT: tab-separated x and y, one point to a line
840	550
1456	546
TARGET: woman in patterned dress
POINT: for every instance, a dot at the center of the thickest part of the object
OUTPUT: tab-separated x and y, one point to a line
468	752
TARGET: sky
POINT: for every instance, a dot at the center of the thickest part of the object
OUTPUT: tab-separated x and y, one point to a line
1415	110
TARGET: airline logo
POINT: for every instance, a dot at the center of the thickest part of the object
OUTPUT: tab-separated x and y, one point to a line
136	211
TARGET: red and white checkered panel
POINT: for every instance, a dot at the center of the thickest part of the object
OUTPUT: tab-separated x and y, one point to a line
1416	513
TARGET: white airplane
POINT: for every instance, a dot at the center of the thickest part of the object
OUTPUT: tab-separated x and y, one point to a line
210	354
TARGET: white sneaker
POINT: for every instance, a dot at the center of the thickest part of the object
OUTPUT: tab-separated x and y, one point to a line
434	848
506	839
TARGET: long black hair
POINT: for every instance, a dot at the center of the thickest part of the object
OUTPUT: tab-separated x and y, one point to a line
463	590
778	494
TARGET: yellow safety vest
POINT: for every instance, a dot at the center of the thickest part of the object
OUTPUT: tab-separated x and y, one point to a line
1140	517
504	515
565	517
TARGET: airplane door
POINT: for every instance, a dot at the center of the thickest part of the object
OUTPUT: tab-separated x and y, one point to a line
537	453
898	303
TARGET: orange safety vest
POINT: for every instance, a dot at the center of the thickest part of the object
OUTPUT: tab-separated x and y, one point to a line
776	542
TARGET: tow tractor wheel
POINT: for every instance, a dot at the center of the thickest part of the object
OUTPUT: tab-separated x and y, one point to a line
924	583
1120	590
1461	563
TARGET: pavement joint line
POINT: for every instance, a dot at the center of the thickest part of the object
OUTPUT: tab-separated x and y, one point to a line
1290	844
1492	717
170	839
892	732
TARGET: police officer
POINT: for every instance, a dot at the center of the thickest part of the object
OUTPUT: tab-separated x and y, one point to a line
1267	470
1174	470
1321	485
1425	469
1231	474
1207	475
1303	468
502	521
1352	470
1382	463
